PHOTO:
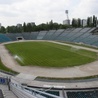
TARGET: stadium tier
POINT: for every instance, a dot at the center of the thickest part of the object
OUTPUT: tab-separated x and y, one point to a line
4	38
78	35
56	34
84	35
22	90
33	35
71	33
26	36
41	35
83	94
49	34
64	34
14	36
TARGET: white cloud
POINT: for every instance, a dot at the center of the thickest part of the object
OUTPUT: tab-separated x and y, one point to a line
9	1
31	10
85	8
38	11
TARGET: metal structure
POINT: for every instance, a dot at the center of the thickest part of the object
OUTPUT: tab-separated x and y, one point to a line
66	11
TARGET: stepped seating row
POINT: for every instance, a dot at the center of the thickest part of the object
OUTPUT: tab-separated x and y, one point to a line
33	35
13	36
4	38
83	94
26	35
49	34
41	35
79	35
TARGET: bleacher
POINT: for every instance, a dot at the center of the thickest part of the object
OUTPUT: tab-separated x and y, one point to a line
49	34
28	92
14	36
11	36
26	36
72	33
41	35
83	94
95	41
4	38
56	34
85	35
76	35
64	34
24	91
33	35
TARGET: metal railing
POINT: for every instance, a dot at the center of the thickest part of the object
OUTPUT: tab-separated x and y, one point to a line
26	92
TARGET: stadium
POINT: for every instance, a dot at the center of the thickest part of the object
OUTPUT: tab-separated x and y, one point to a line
59	63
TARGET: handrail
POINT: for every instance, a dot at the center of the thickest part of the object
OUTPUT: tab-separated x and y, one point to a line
32	91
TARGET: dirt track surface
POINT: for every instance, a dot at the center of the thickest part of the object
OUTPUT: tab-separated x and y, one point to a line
79	71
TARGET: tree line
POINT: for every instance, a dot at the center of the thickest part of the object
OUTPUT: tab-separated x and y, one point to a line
28	27
90	22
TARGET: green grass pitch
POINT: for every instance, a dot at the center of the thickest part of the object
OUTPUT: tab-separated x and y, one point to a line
47	54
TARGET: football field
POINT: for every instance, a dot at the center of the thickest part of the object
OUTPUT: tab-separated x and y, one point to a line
47	54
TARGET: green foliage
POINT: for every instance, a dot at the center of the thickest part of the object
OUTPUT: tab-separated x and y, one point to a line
30	28
40	78
74	22
92	21
13	29
4	68
49	54
2	29
24	27
79	22
89	22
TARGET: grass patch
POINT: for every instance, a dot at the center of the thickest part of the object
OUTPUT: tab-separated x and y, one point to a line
5	69
49	54
40	78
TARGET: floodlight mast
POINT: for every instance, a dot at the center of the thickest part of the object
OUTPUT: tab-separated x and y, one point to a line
66	11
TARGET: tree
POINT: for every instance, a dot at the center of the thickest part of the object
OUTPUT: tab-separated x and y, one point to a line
19	29
24	27
2	29
79	22
29	27
74	22
94	21
8	29
51	25
89	22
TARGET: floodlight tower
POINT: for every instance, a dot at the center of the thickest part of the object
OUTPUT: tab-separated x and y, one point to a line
67	20
66	11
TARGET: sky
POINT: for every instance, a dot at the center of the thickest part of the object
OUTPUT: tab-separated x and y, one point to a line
13	12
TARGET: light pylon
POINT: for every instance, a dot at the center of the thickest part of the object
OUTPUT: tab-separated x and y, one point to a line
66	11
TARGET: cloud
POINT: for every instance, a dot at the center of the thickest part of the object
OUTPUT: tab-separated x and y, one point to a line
39	11
85	8
30	10
9	1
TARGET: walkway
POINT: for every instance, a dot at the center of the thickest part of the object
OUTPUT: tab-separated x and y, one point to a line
6	92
